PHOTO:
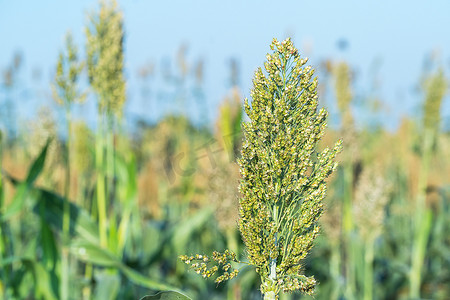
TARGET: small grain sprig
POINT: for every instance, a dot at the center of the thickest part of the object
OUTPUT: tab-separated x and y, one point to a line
435	87
208	266
68	71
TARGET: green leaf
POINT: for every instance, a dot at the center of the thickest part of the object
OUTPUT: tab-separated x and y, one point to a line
185	230
144	281
12	260
94	254
127	183
168	295
50	206
107	285
37	165
24	187
49	247
17	203
81	224
127	190
44	282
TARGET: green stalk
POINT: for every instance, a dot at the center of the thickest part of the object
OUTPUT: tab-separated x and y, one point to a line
66	215
348	229
420	245
110	186
101	198
369	255
3	247
110	158
422	218
87	278
335	271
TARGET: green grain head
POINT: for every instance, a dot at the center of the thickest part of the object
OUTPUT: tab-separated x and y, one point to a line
68	70
105	57
283	176
342	85
435	88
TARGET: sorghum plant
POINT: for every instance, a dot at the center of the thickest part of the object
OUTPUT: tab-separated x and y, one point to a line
371	197
344	96
105	70
283	176
436	87
66	92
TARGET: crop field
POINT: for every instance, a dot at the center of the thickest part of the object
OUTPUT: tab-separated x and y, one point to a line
273	201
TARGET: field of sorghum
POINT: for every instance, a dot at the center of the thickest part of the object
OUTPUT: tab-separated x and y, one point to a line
106	213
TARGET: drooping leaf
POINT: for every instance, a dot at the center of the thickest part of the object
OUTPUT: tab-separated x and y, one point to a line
81	224
96	255
38	165
167	295
144	281
24	187
93	253
17	203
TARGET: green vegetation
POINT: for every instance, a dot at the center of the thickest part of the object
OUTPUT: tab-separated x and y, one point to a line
105	214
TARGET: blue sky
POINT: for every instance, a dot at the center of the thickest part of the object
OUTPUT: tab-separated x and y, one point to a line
394	36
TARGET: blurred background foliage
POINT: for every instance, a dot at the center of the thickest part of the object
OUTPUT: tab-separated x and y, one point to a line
102	212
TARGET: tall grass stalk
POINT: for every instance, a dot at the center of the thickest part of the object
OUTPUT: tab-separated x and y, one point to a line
369	255
347	223
66	93
436	88
4	272
65	264
101	190
422	218
342	84
335	272
105	69
331	224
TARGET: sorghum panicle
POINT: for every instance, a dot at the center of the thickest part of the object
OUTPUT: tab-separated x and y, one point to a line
283	175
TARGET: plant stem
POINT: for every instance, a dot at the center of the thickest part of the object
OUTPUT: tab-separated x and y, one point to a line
87	277
3	247
273	292
270	295
101	199
109	145
422	218
335	271
66	215
420	245
368	268
348	229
